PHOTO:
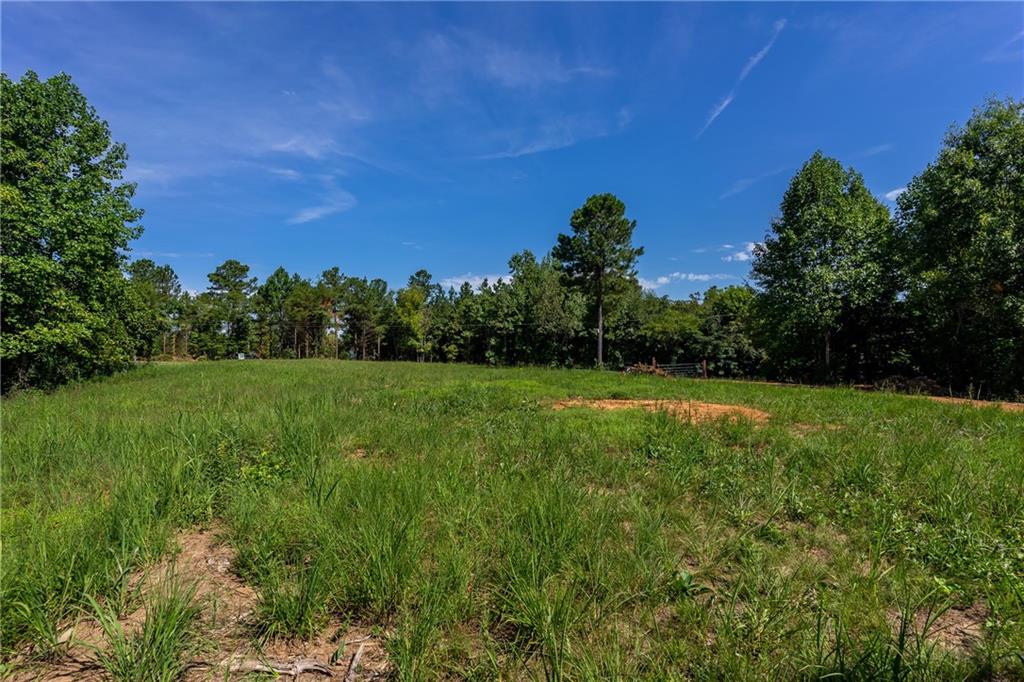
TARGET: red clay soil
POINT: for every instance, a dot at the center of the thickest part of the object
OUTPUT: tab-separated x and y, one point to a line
690	411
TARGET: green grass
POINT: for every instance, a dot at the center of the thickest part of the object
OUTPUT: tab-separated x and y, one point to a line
489	535
157	651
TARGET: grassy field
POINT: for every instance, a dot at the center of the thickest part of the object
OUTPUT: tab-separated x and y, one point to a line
462	528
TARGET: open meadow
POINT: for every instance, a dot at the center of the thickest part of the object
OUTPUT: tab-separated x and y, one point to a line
444	521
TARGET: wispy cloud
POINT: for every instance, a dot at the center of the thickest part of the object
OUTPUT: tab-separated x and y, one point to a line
658	282
1009	51
745	183
560	133
304	145
756	59
743	255
893	194
517	68
334	200
286	173
717	110
174	254
876	150
473	280
451	56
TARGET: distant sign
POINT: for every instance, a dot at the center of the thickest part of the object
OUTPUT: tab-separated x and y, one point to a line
241	356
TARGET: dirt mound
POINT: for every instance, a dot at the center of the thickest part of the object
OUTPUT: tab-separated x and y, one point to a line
690	411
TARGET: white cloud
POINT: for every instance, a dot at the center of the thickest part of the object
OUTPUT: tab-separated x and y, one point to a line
658	282
756	59
174	254
336	201
515	68
473	280
874	151
1007	52
745	183
559	133
717	110
892	195
315	147
286	173
746	254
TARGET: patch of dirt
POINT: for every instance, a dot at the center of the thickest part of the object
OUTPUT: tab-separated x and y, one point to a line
820	555
690	411
335	643
802	430
225	625
959	628
1009	407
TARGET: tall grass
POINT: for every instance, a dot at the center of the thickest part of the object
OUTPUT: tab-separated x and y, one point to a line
158	651
490	536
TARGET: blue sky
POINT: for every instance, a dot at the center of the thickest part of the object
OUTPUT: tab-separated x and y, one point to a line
383	138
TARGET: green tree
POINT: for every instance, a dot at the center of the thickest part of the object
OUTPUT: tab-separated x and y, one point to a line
822	269
271	315
726	331
961	232
67	312
599	254
307	313
368	308
231	288
551	315
158	292
411	307
333	286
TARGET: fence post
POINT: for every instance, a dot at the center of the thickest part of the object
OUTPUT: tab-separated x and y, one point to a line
704	362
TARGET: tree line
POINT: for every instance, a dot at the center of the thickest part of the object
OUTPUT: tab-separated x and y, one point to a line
842	290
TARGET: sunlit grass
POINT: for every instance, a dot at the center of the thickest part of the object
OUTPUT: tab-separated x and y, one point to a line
490	535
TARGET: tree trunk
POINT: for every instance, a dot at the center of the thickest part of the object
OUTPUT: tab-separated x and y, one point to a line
600	323
828	355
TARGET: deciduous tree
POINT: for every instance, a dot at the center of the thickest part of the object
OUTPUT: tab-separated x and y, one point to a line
823	264
67	220
961	231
